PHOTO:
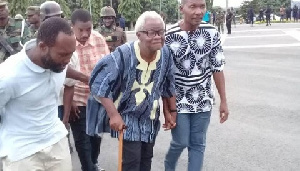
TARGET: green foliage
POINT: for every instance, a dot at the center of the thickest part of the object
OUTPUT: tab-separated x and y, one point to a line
17	7
36	2
168	7
65	8
209	4
262	4
130	9
274	4
20	6
96	6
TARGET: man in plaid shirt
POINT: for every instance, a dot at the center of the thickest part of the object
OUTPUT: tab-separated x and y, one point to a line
90	47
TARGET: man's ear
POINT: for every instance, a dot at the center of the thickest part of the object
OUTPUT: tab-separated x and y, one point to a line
181	8
43	47
138	34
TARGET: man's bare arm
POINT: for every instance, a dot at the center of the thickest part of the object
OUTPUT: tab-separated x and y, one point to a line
72	73
220	84
67	101
170	112
116	121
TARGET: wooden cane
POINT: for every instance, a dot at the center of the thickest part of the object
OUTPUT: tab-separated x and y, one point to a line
120	150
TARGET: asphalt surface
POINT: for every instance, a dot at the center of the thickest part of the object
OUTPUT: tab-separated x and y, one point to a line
263	90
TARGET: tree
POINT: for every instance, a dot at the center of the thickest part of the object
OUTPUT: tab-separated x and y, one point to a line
65	8
147	5
274	4
36	2
262	4
170	8
74	4
96	9
209	4
130	9
18	7
246	6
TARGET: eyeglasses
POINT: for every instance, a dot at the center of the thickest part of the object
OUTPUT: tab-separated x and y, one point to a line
108	17
152	34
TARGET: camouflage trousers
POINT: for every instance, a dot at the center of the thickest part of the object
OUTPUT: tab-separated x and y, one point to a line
220	27
2	56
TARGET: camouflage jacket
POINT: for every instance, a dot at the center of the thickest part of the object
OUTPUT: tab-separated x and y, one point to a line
114	37
220	18
33	32
12	34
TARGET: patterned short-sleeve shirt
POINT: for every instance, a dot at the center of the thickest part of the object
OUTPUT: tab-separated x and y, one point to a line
197	55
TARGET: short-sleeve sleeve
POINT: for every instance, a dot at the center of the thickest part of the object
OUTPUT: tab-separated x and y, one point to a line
74	64
169	84
217	58
5	91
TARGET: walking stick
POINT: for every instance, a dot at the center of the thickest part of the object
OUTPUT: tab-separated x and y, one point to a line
120	150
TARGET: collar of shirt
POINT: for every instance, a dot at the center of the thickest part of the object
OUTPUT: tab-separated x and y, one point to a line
32	66
91	41
144	64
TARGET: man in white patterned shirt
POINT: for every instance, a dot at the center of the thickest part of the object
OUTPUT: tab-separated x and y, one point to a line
198	56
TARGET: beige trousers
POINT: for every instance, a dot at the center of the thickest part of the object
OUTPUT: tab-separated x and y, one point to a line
54	158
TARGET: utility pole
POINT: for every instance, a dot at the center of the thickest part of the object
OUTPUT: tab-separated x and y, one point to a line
178	10
160	6
111	3
226	4
90	6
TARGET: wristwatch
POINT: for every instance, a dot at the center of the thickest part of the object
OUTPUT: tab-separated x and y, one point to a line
173	111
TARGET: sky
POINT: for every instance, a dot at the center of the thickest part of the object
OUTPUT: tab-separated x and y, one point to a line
231	3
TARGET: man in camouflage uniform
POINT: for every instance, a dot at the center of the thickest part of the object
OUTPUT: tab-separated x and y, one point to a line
114	36
19	17
49	9
33	18
13	33
220	18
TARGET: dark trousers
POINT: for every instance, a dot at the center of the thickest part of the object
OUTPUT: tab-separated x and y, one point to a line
61	117
251	20
137	156
228	25
268	19
87	147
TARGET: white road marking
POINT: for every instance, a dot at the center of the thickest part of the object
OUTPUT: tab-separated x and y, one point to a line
257	36
223	38
262	46
293	33
256	30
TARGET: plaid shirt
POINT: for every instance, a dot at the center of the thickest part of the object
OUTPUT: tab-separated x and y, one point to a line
89	54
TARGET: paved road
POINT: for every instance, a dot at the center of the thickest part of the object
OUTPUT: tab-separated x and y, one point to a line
263	131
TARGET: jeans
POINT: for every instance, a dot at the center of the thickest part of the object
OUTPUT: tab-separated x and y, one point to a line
190	132
137	156
87	147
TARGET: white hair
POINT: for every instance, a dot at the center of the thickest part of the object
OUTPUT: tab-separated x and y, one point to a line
140	22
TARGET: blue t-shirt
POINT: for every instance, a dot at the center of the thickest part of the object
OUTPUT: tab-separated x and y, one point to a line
206	16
